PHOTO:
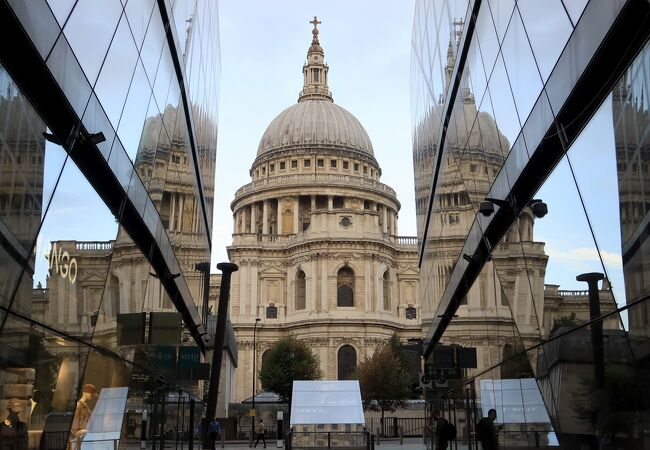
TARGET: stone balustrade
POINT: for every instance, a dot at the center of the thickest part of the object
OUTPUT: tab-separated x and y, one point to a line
317	178
282	239
94	245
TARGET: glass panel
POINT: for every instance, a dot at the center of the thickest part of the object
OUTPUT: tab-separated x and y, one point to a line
135	110
575	8
66	71
40	379
153	45
96	19
61	9
138	14
523	76
117	73
547	37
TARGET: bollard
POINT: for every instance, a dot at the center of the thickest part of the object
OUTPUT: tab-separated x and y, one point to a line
378	437
401	437
250	440
223	438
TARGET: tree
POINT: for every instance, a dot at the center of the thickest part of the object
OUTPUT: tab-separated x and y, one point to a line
410	361
564	321
289	359
385	382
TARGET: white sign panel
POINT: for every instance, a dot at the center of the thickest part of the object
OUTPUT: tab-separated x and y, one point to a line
326	402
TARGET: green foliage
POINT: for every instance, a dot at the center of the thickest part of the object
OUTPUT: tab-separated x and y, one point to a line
289	359
385	382
410	361
612	410
564	321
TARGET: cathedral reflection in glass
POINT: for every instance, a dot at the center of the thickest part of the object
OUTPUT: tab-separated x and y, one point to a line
531	122
108	128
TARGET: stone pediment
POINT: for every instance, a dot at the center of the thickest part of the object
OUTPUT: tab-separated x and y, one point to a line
91	278
272	270
410	270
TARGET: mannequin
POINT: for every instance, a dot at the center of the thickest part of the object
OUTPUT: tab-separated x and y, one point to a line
13	432
82	413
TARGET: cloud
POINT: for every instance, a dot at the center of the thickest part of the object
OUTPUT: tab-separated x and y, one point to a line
579	254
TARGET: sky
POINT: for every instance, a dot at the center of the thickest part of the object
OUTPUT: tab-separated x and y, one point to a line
264	44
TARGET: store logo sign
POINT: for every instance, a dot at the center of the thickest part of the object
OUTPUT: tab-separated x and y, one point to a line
60	262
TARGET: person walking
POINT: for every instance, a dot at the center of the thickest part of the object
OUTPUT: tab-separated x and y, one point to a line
486	431
215	430
259	432
441	430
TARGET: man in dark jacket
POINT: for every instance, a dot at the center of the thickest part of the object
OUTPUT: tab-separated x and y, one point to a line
486	431
441	430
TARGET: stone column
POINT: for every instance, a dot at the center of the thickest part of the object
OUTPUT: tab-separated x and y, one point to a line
330	202
313	202
378	285
279	226
180	213
235	216
253	227
311	299
367	284
323	279
384	211
172	219
296	214
265	217
254	298
395	224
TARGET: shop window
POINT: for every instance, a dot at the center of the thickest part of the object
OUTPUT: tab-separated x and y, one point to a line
272	312
347	362
345	287
301	285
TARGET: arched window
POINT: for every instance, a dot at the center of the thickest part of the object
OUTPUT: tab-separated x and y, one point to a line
347	362
265	357
300	290
386	291
345	287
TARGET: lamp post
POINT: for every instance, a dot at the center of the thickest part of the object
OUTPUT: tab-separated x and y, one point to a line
253	412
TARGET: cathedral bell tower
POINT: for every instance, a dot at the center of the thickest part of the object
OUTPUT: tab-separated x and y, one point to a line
315	71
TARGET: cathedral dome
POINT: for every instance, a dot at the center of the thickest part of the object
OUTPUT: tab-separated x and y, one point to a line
315	123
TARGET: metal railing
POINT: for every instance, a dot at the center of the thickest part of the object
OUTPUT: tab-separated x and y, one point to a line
299	440
410	426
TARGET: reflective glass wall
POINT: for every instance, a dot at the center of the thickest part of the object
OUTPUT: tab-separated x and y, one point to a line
83	363
555	308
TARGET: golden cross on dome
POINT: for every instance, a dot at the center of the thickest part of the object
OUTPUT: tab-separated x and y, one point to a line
316	22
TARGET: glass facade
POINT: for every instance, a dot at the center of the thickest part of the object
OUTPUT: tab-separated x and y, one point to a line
108	128
530	121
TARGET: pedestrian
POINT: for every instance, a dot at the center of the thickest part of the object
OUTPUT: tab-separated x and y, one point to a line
441	430
486	431
259	432
215	430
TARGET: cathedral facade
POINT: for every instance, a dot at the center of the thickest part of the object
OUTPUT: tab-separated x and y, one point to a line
316	239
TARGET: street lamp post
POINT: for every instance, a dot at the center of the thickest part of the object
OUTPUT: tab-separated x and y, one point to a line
253	416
